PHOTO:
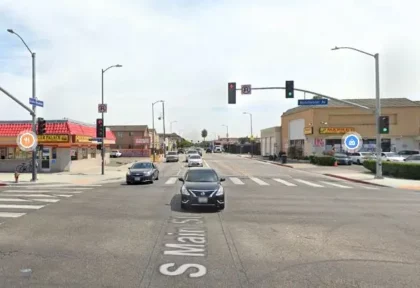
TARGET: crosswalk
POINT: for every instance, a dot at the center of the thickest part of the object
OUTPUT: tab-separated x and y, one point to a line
286	183
16	201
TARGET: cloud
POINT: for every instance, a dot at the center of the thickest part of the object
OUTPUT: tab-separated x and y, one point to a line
185	53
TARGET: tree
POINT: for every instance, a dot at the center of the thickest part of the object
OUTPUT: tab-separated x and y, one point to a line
204	134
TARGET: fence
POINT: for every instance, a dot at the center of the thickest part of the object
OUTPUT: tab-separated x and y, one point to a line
243	148
135	152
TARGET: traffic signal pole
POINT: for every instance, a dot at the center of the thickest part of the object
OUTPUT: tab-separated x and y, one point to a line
378	115
103	129
34	152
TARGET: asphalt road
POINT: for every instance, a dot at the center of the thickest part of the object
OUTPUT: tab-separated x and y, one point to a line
284	233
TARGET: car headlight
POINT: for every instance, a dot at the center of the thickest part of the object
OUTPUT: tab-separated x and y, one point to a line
148	173
184	191
220	192
128	173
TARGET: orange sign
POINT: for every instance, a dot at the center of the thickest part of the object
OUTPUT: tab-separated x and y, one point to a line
335	130
308	130
27	140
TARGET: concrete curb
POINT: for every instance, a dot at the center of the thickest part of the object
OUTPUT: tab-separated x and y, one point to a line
355	180
3	184
268	161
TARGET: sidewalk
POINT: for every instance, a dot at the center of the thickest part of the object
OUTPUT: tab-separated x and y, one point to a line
347	174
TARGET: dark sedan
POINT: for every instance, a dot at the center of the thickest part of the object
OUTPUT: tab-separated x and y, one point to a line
142	172
343	159
202	187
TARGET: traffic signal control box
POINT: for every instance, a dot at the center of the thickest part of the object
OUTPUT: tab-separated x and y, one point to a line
42	126
232	93
290	89
383	124
100	128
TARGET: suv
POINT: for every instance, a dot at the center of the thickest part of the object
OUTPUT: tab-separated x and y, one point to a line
115	154
172	156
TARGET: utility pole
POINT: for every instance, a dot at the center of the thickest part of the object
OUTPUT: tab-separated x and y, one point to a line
154	130
252	137
164	131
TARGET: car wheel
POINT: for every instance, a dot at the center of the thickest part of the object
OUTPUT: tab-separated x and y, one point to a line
183	206
222	207
358	162
157	177
128	183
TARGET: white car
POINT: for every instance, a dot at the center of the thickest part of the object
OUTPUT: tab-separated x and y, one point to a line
392	157
195	161
360	157
115	154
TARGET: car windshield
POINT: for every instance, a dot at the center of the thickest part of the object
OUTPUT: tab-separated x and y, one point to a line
171	153
366	154
340	155
142	166
391	154
201	176
192	152
195	157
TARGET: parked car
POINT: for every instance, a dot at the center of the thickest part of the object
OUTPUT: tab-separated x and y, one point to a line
413	159
407	153
115	154
342	159
142	172
195	160
360	157
392	157
208	150
202	187
172	156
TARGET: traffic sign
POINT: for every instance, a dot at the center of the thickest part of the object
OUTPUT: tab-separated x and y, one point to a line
36	102
102	108
313	102
352	142
246	89
27	141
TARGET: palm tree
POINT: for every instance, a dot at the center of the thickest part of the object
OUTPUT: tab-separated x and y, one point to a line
204	134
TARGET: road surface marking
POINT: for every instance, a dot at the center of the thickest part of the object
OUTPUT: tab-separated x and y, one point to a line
284	182
368	187
28	195
259	181
13	200
47	200
40	191
205	162
56	186
171	181
335	184
11	206
63	195
236	181
308	183
10	215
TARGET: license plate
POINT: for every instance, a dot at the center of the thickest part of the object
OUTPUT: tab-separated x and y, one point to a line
202	200
137	179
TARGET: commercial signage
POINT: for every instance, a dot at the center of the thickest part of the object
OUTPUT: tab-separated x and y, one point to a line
141	141
335	130
83	139
53	138
308	130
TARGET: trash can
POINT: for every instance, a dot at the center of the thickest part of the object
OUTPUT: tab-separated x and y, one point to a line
283	158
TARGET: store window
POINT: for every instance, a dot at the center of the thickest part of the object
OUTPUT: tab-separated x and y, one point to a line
54	153
3	153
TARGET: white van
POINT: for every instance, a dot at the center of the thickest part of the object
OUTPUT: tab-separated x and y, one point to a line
218	149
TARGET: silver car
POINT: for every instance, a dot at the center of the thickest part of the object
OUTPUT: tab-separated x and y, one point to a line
172	156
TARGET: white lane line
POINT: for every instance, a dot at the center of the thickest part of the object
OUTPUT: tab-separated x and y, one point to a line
40	191
335	184
63	195
284	182
205	163
10	215
12	206
46	200
56	186
308	183
53	188
259	181
236	181
13	200
27	195
171	181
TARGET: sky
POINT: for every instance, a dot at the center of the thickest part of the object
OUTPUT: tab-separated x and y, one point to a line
185	52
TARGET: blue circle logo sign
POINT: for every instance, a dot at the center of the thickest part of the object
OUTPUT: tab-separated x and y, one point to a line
352	142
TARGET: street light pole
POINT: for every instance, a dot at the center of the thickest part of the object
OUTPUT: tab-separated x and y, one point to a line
164	132
377	110
103	123
227	131
252	143
34	152
154	131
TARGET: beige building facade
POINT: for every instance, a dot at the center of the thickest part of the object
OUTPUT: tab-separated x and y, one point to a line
317	128
271	141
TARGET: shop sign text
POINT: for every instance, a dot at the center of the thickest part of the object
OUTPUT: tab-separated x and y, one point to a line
335	130
83	139
53	138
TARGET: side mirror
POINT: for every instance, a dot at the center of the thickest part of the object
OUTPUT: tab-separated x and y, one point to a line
222	179
181	179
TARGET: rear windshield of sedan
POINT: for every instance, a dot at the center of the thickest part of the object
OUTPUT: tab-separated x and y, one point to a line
192	152
142	166
172	153
201	176
195	157
340	155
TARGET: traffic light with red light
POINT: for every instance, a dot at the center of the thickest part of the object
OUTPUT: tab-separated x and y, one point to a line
383	124
232	93
290	89
42	126
100	129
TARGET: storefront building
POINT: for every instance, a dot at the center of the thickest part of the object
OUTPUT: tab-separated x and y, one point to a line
65	142
320	128
132	140
271	141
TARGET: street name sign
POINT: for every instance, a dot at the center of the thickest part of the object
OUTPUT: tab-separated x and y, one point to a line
313	102
36	102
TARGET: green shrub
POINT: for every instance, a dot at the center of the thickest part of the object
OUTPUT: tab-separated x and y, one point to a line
323	160
312	159
396	169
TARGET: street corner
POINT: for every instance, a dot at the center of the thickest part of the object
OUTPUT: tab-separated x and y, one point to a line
406	187
354	180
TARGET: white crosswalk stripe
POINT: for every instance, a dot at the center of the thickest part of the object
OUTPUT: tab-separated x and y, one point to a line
335	184
171	181
259	181
309	183
284	182
17	200
236	181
